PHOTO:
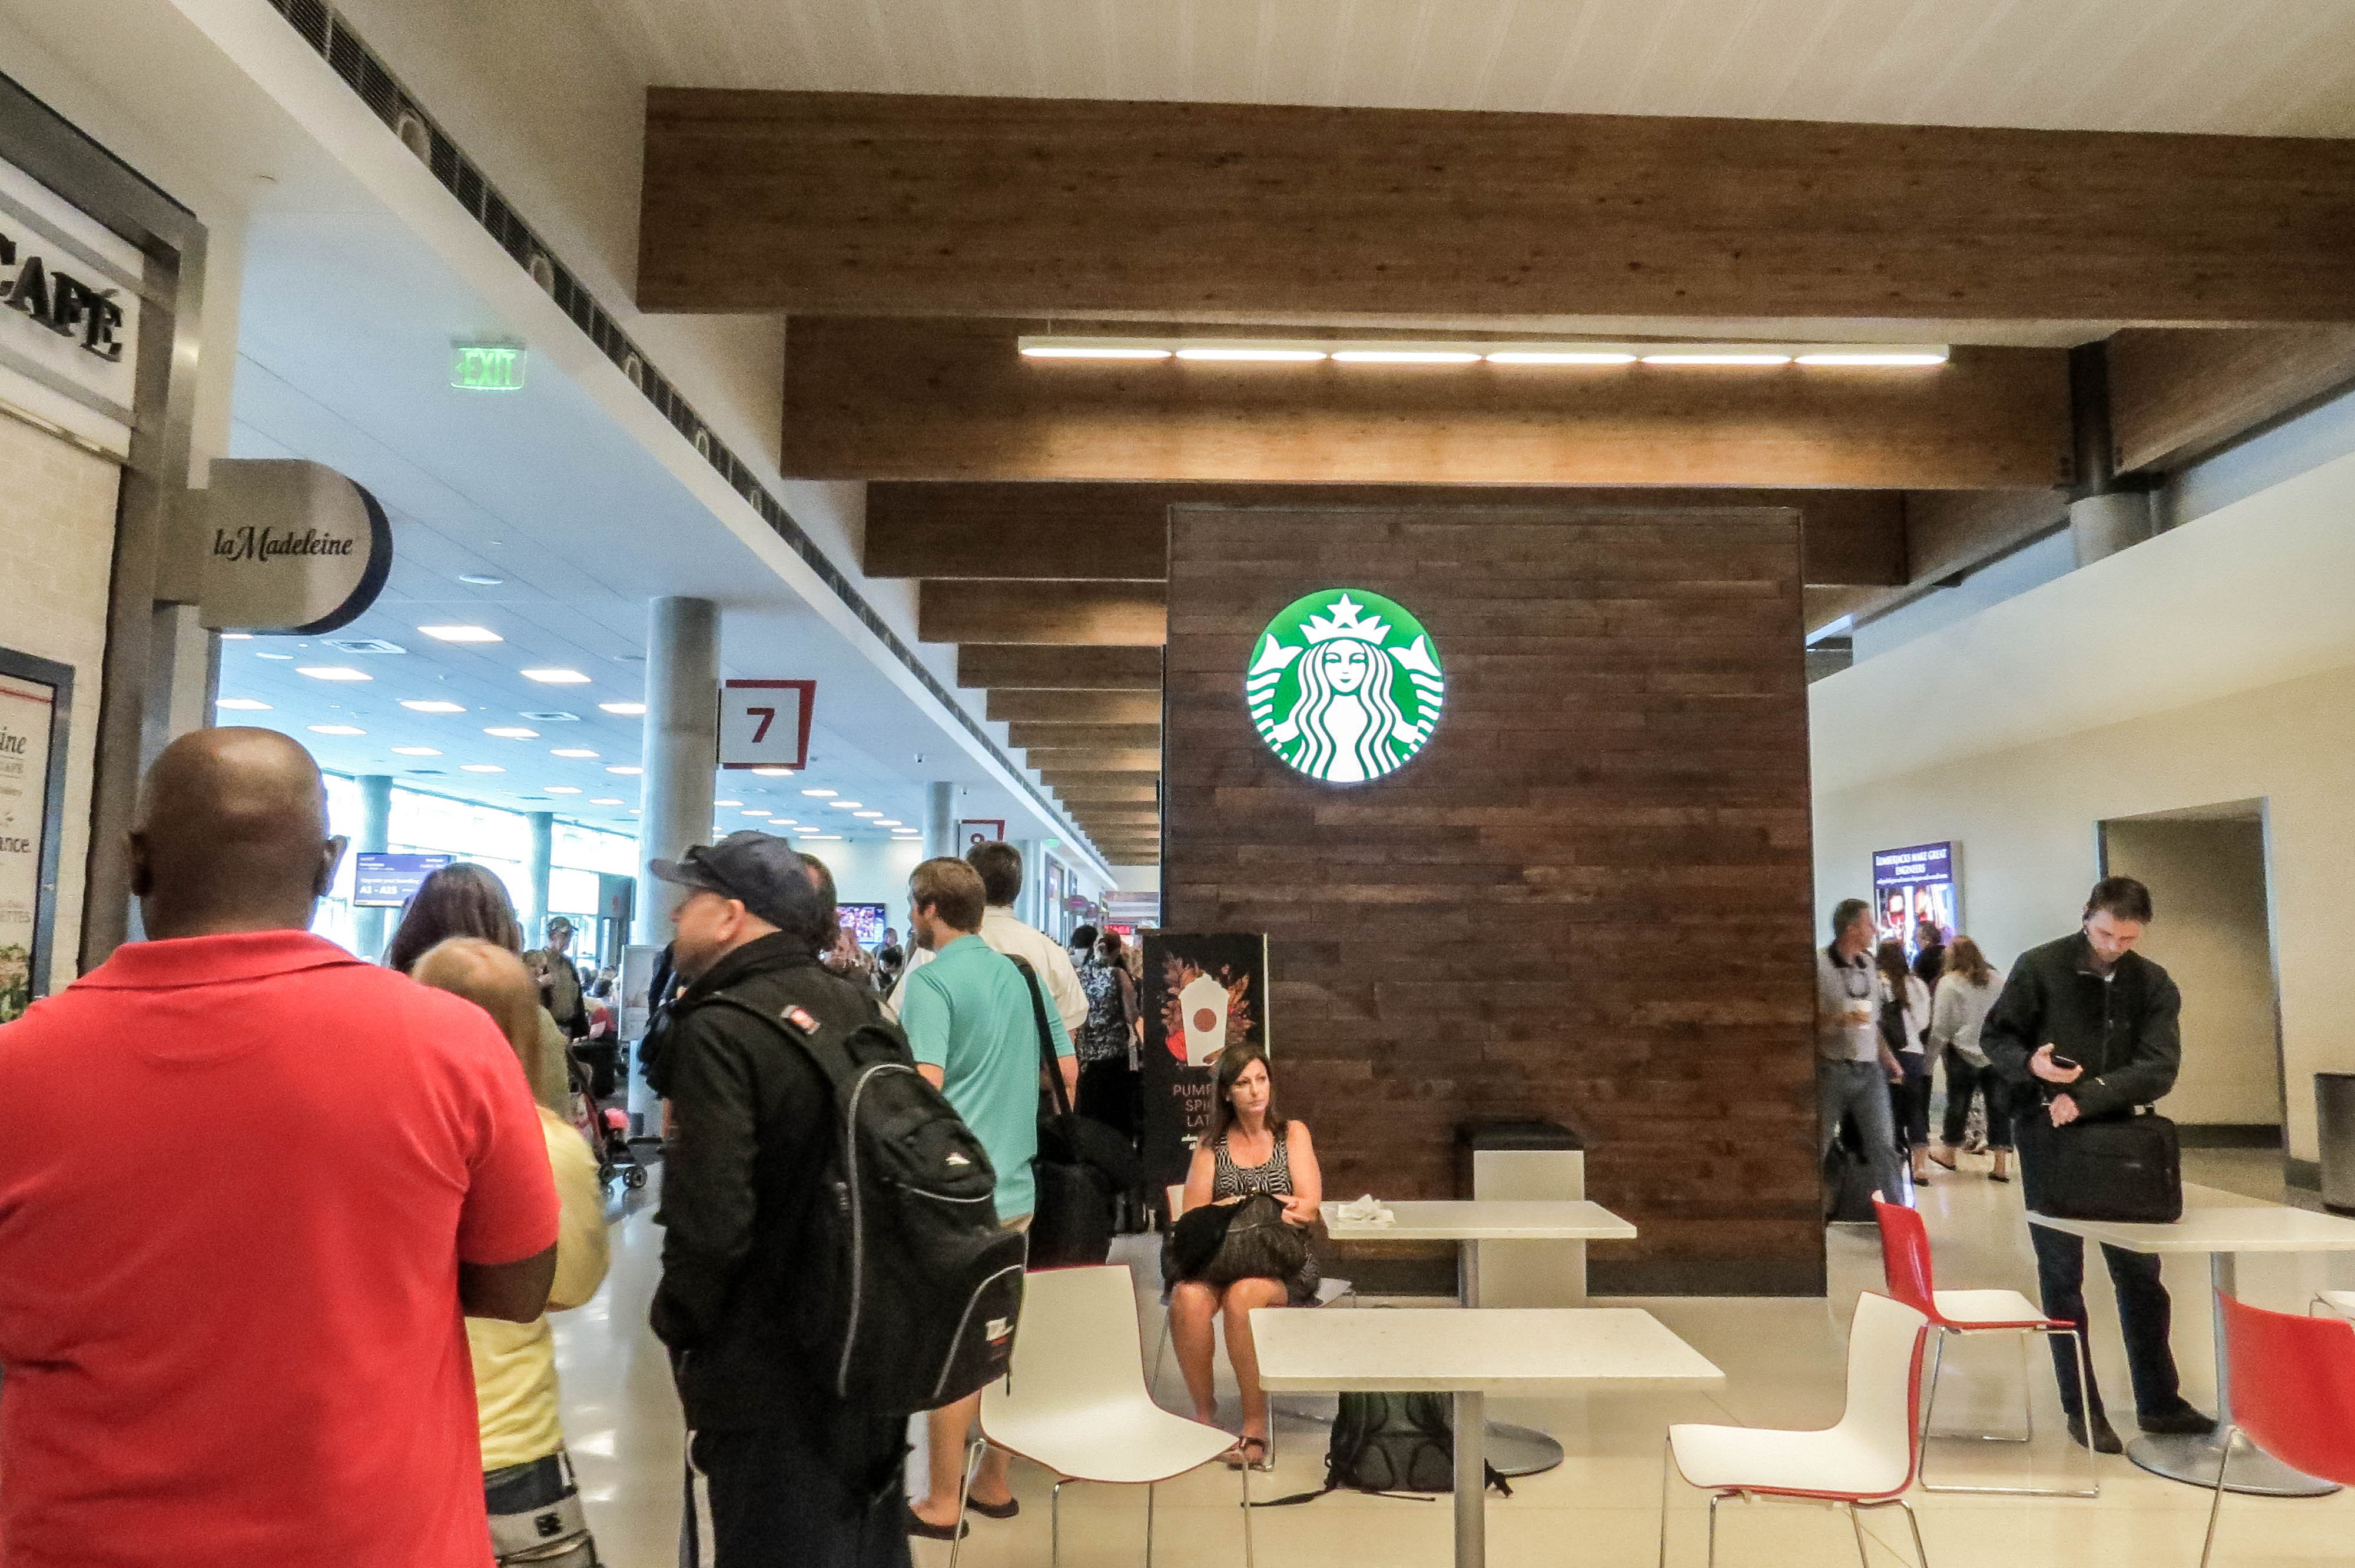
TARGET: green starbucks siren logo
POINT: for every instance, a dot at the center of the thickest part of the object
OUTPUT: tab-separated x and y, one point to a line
1346	685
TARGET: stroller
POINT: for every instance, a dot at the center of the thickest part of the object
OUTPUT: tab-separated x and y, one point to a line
608	1132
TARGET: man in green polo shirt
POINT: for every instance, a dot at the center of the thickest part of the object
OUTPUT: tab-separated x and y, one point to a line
968	1018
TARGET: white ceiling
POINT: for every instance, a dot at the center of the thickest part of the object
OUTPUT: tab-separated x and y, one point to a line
2252	66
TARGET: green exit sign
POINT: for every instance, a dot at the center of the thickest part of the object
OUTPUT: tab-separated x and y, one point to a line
486	368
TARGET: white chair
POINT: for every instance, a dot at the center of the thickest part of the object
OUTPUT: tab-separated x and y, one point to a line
1867	1461
1074	1399
2339	1301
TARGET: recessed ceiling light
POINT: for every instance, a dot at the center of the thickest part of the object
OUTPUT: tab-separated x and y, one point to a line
624	767
243	704
1717	359
1092	351
332	672
414	751
273	655
1404	356
481	767
1253	356
431	706
333	729
462	634
866	814
727	803
1559	357
844	805
821	794
237	636
572	751
512	732
773	772
557	677
605	801
563	789
888	822
480	579
627	710
756	812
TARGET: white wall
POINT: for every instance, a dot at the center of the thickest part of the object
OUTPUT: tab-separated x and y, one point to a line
866	871
2207	880
2214	664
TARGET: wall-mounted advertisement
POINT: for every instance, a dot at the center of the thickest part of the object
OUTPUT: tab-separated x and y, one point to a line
1912	885
1202	994
863	922
35	696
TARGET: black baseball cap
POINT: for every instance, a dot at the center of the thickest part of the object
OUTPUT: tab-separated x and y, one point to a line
761	871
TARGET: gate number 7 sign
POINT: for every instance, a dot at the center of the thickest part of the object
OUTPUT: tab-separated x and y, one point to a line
765	724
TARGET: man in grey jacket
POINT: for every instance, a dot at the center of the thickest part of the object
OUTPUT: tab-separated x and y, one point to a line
2090	1001
1854	1067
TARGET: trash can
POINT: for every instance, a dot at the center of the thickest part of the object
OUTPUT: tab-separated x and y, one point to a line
1526	1161
2334	1103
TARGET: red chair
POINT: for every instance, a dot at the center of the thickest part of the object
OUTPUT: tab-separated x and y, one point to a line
1905	1264
2293	1395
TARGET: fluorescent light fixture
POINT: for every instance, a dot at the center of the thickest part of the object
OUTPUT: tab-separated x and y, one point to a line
431	706
512	732
821	794
243	704
1560	356
462	634
846	805
237	636
1106	348
333	729
773	772
1875	356
605	801
868	815
727	803
557	677
1404	356
572	751
480	767
756	812
414	751
479	579
273	655
562	788
1707	357
888	822
624	767
332	672
627	710
1250	354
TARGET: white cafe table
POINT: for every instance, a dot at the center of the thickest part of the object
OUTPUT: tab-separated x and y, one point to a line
1514	1450
1527	1352
2221	1225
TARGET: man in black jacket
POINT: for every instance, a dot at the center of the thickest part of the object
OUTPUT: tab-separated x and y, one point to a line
795	1476
2092	1000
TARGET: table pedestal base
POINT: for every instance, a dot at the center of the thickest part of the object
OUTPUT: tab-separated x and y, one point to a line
1517	1451
2254	1471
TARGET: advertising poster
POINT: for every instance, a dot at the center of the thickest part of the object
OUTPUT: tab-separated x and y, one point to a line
32	759
1913	883
1202	994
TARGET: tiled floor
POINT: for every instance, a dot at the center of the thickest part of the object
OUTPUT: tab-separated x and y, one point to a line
1601	1507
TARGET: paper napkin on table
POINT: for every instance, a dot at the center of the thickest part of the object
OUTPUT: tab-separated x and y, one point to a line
1365	1211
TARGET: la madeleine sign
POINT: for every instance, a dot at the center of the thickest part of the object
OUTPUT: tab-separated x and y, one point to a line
286	545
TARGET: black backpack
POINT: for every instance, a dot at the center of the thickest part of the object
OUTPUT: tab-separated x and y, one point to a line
1390	1443
911	1290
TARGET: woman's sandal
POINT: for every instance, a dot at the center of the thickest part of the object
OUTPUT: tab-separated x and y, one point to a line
1240	1454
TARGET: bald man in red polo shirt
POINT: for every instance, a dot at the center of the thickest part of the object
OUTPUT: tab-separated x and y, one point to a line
252	1185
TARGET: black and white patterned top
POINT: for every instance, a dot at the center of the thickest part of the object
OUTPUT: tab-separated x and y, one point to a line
1228	1180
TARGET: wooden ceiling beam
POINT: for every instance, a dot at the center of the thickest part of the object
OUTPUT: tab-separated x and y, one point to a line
1094	759
2177	394
1075	707
851	204
875	398
1066	736
1084	530
1037	667
1081	791
1127	615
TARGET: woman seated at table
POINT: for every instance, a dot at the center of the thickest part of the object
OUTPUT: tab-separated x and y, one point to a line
1249	1149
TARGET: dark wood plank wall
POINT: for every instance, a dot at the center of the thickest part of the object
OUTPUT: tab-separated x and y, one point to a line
1588	898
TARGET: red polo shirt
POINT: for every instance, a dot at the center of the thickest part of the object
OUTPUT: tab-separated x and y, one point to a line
239	1174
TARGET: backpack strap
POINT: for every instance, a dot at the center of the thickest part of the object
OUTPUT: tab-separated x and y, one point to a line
1048	1061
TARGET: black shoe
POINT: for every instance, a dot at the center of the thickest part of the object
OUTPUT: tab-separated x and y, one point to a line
919	1526
2105	1436
2183	1420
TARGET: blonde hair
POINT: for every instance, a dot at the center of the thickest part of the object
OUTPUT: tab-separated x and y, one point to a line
495	979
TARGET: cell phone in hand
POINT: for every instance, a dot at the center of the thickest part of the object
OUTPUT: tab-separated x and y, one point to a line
2064	1063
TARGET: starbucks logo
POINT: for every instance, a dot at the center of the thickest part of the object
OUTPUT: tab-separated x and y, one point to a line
1346	685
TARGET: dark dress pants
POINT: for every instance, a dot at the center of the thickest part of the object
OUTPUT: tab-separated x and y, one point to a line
1962	1080
2145	1314
1909	1102
778	1501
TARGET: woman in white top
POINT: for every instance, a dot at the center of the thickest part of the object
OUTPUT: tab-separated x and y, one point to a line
1905	1024
1967	991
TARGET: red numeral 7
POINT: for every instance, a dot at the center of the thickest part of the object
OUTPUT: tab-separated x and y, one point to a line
768	718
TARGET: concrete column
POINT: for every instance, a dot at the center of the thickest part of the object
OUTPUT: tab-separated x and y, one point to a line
543	854
1030	908
940	822
2103	524
376	833
681	750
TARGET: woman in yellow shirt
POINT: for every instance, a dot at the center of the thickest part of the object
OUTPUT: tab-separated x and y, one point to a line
534	1509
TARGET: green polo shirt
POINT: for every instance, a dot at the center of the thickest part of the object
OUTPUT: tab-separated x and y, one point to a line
968	1014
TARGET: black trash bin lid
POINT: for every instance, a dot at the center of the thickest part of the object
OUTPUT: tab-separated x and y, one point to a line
1517	1135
